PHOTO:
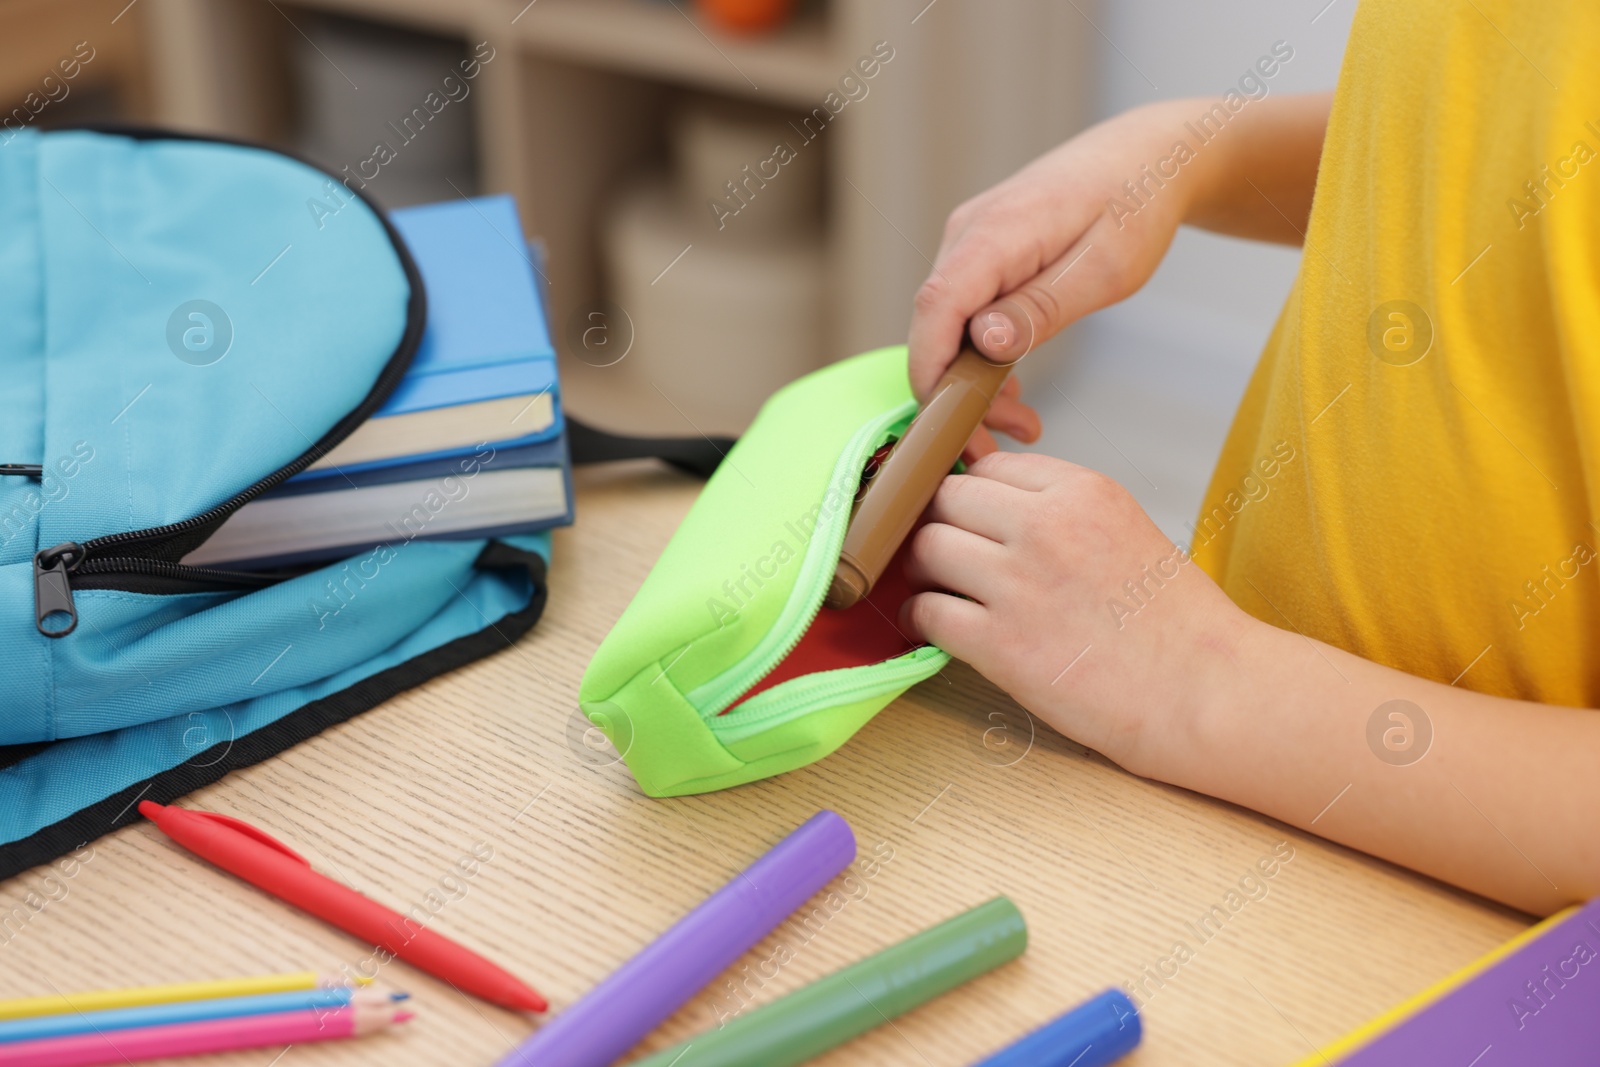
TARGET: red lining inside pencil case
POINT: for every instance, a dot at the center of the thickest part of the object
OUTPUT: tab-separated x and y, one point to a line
868	632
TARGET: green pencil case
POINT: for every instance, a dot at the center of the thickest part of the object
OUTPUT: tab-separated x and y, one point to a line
725	668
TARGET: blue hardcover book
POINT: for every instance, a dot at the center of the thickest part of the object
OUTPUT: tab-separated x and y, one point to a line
278	531
485	369
488	493
485	373
486	456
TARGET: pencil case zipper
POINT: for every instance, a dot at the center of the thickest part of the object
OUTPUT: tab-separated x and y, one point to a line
800	695
797	696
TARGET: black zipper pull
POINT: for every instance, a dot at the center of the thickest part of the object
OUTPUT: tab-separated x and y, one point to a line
52	592
22	470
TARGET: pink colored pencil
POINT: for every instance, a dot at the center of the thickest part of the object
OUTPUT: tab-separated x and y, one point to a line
194	1039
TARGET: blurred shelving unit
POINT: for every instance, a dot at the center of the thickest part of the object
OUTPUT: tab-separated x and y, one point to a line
659	40
37	35
578	92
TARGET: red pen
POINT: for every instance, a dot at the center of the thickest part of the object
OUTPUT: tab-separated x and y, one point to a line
273	867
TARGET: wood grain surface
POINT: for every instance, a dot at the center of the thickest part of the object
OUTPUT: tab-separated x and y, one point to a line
952	788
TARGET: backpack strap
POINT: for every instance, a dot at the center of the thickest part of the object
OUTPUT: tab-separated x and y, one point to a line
698	456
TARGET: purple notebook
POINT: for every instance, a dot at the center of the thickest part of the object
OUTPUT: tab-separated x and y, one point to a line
1540	1005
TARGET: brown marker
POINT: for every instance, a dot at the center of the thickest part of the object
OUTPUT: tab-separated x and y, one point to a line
911	474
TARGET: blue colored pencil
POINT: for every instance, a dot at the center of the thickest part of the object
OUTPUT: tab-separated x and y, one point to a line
69	1023
1093	1034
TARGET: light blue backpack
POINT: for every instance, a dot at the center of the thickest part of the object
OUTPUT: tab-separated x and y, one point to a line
181	329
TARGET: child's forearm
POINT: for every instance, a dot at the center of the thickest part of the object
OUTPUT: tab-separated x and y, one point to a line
1022	567
1263	170
1502	799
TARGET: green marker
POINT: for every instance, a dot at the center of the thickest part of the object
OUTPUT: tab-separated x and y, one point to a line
848	1003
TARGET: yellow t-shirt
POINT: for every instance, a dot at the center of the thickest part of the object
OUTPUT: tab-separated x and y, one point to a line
1409	476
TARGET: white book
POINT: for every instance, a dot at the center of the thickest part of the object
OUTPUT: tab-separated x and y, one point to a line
288	528
441	429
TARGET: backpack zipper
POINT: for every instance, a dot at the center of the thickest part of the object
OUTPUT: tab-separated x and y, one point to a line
52	588
53	566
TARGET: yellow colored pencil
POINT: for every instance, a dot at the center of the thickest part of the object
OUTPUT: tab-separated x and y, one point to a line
102	999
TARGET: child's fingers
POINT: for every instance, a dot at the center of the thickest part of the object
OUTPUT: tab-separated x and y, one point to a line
1007	415
958	286
1006	330
982	506
977	265
1091	274
950	558
953	624
1010	416
1024	470
980	444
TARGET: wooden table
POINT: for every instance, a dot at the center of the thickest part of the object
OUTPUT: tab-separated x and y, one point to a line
1109	870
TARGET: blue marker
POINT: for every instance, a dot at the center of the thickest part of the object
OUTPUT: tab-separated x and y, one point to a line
183	1011
1095	1034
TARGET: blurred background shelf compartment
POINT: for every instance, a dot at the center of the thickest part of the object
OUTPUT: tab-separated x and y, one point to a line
652	38
796	65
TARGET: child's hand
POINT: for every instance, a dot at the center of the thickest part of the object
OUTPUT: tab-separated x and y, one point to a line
1182	686
1010	257
1043	549
1086	224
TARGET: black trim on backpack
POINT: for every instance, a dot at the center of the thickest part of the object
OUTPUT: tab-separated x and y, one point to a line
172	542
12	754
121	809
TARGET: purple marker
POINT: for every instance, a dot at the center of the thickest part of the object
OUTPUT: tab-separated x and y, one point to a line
640	994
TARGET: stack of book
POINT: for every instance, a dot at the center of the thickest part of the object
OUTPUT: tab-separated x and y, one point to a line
472	442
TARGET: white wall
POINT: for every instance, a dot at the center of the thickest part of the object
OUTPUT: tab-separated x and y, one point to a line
1153	381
